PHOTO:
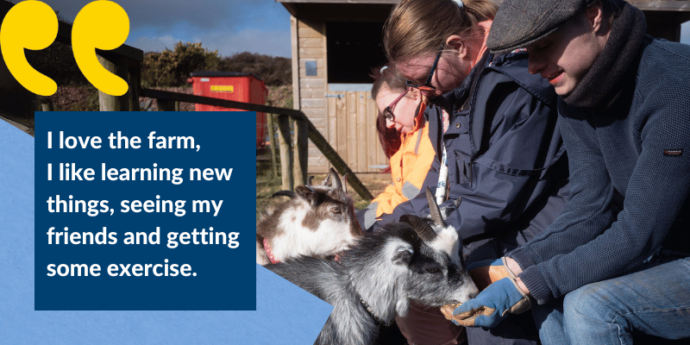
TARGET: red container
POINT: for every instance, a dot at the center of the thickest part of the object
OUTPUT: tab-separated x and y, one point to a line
233	86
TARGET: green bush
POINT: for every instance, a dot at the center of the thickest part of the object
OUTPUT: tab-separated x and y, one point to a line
172	68
274	70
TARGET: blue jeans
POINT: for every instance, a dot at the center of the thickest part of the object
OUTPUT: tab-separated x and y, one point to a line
654	300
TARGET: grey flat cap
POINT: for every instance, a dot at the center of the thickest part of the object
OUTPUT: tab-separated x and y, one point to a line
519	23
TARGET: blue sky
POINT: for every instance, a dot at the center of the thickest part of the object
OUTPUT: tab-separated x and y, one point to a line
229	26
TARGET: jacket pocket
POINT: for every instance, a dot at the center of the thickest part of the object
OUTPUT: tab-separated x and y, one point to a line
464	173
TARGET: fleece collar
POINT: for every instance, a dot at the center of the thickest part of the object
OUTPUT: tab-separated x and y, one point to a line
612	70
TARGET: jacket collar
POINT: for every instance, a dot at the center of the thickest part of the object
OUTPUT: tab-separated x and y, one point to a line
512	65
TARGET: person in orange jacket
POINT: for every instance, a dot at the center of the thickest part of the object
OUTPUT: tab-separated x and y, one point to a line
404	135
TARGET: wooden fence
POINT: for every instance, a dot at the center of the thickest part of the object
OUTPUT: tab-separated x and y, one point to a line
304	129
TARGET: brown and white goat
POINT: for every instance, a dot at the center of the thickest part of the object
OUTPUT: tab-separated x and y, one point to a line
318	221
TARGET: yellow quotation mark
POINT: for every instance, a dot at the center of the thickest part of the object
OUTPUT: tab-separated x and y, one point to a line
33	25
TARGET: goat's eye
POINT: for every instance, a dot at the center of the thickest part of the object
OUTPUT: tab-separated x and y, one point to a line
335	209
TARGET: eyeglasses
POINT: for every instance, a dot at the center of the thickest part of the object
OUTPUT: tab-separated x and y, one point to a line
427	86
388	112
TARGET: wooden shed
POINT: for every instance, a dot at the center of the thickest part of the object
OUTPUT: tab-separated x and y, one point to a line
335	45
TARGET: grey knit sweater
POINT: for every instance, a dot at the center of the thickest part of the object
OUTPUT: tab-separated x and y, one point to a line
640	147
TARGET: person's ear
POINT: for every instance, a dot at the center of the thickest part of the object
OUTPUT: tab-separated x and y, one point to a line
595	15
455	42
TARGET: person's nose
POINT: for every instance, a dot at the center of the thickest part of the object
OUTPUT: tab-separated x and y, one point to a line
535	64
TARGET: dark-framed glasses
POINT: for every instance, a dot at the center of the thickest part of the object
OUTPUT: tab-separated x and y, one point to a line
427	86
388	112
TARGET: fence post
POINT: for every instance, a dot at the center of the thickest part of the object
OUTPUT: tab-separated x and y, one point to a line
134	74
301	151
117	66
168	105
285	152
272	143
47	104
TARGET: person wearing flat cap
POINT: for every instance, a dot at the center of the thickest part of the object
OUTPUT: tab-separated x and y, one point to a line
598	272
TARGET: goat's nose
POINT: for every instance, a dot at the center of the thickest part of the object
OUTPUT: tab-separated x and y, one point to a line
474	293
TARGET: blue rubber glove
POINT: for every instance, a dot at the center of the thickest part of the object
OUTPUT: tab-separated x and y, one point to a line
491	306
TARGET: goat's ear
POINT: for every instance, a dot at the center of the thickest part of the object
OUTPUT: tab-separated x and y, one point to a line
403	254
308	194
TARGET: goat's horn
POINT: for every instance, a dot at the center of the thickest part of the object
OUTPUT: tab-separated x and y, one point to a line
420	226
289	193
327	181
335	180
309	180
345	182
436	216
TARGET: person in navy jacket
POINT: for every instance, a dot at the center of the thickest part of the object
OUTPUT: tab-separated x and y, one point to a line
504	156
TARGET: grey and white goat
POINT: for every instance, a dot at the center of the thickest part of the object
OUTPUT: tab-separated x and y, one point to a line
317	221
412	260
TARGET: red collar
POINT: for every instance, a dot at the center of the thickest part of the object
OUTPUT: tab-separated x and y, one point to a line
269	253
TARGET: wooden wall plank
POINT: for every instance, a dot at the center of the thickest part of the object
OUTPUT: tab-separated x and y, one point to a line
332	123
310	35
351	108
372	138
341	121
362	143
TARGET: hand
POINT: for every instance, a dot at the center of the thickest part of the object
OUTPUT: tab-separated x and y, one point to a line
491	306
485	272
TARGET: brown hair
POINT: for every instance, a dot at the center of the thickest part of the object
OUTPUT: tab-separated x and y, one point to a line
389	137
390	76
418	26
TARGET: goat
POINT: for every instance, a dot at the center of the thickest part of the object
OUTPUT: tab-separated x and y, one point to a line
414	259
317	221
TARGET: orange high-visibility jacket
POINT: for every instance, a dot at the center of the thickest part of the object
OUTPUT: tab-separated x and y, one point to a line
409	167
